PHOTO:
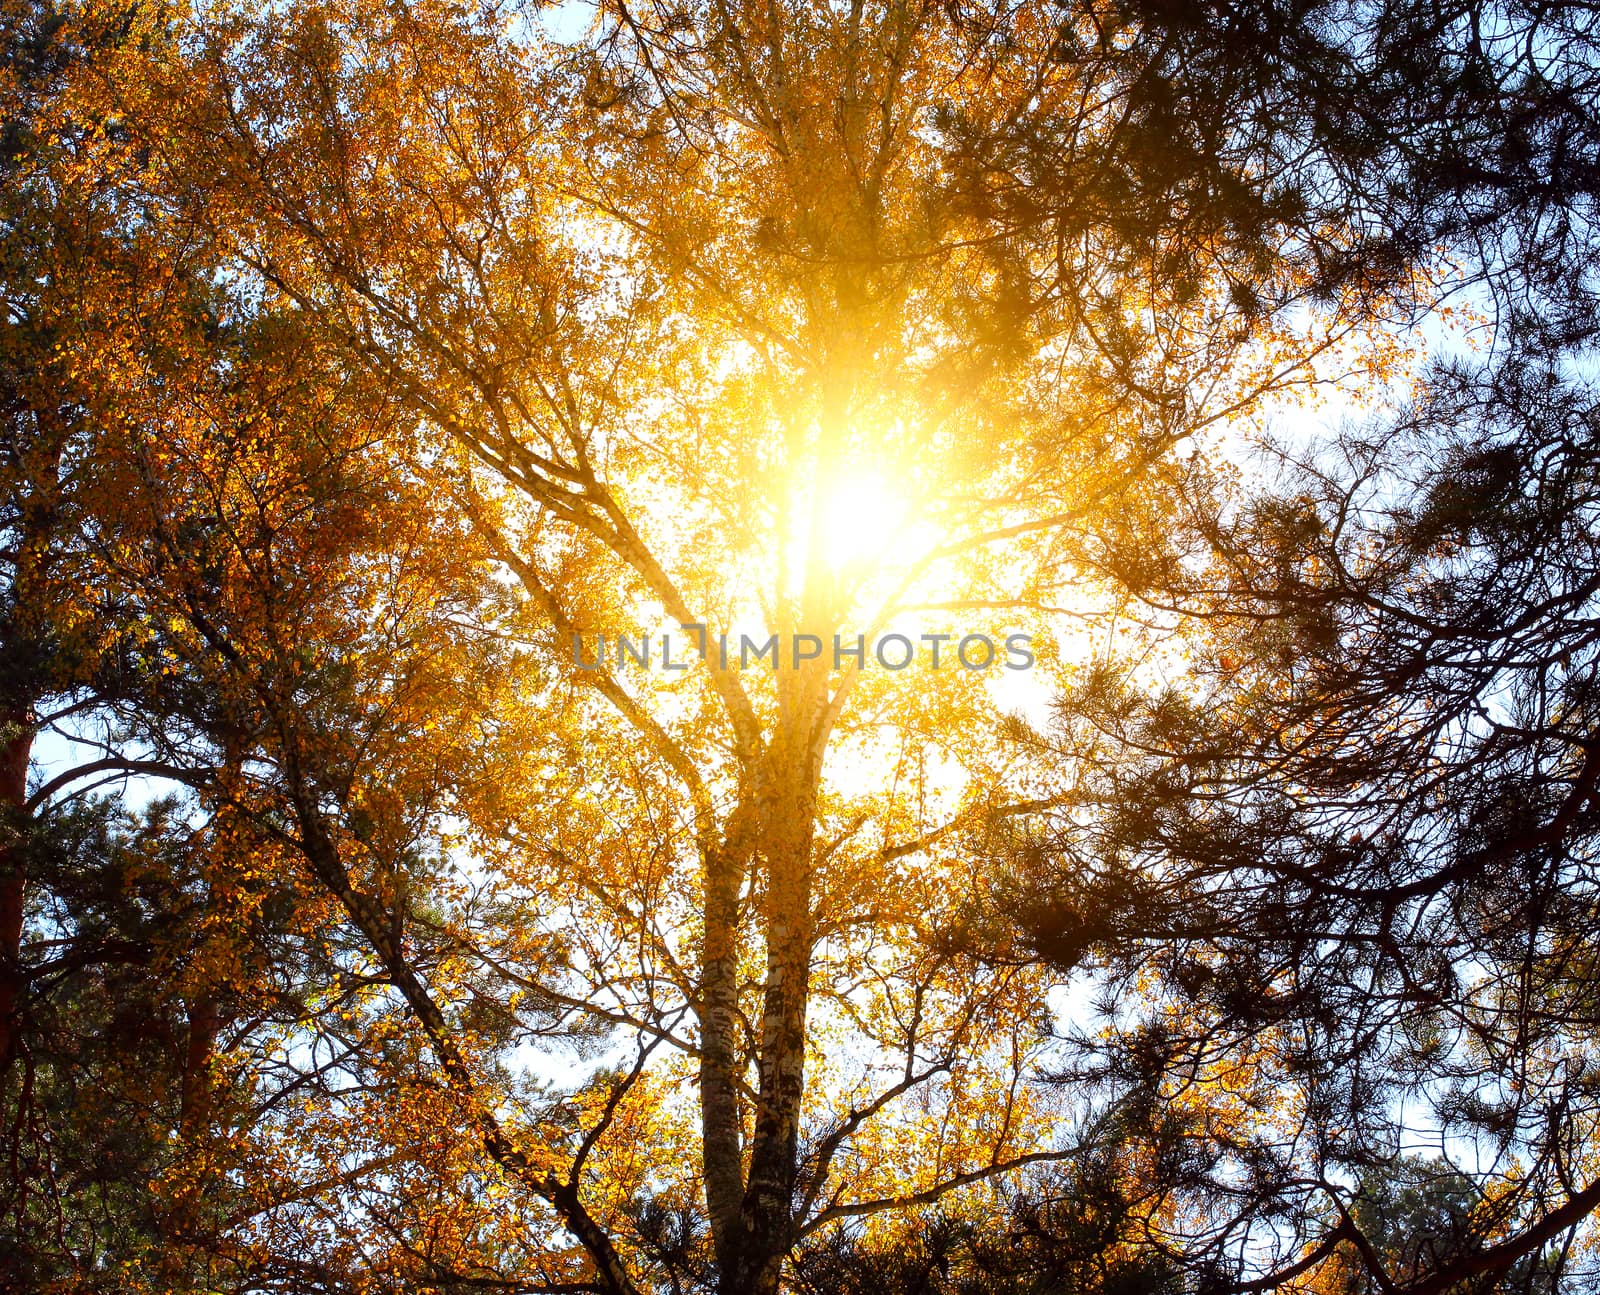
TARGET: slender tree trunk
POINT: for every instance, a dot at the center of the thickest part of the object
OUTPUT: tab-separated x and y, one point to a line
751	1255
182	1222
205	1023
721	1132
752	1214
16	744
774	1151
20	638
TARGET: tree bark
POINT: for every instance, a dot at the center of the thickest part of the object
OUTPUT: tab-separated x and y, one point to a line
752	1213
205	1023
774	1151
721	1131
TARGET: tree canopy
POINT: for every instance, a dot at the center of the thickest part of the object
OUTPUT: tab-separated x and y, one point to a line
715	646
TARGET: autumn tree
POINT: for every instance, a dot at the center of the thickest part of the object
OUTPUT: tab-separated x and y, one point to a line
181	975
162	437
44	227
94	1063
522	330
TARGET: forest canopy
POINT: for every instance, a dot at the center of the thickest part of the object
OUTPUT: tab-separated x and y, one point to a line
821	646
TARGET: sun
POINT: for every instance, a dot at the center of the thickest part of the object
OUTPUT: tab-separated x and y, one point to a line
864	522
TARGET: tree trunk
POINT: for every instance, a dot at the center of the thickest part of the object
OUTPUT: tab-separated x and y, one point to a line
16	744
769	1195
721	1133
752	1216
205	1023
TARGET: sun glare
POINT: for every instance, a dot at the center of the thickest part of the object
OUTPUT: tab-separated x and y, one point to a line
863	519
